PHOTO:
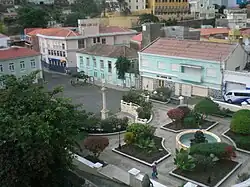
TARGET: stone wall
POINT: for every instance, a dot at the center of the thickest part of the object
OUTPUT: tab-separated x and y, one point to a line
232	107
214	93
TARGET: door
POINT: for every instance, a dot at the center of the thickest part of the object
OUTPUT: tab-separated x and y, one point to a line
234	86
200	91
186	90
147	83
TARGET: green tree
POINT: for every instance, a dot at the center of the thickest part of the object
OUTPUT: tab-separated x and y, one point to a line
31	16
123	5
144	18
71	19
86	8
206	107
122	65
3	29
37	133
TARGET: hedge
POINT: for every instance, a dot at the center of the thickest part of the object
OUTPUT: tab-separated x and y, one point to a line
240	123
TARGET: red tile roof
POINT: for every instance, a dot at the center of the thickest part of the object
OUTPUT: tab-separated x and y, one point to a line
113	29
213	31
16	52
57	32
137	38
190	49
245	31
28	30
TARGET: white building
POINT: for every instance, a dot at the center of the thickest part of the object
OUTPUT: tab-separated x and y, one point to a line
4	40
41	2
237	18
202	9
58	46
19	61
135	5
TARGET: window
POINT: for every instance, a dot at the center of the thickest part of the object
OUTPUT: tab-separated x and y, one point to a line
109	66
237	68
101	64
1	68
242	94
230	93
57	53
94	62
137	7
95	74
87	59
145	63
11	67
175	67
22	65
81	44
64	54
94	40
49	52
161	83
211	72
161	65
63	46
102	75
103	40
32	63
98	39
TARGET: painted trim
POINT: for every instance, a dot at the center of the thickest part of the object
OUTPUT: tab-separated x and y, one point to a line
182	58
181	130
155	72
144	162
203	185
234	144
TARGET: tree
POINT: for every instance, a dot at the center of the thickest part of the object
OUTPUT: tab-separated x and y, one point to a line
122	65
96	144
37	133
30	16
71	20
86	8
206	107
123	5
144	18
241	122
175	114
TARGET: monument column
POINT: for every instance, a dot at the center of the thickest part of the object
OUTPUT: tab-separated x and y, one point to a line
104	111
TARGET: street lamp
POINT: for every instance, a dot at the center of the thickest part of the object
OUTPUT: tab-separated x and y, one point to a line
119	136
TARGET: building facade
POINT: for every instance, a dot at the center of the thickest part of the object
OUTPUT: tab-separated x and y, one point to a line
4	40
99	62
7	2
202	9
189	67
20	61
237	18
58	46
161	7
135	5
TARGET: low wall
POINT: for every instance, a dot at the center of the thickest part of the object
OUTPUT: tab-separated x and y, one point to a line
232	107
131	109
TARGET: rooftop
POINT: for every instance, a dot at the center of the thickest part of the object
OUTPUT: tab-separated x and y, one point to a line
137	38
213	31
3	36
16	52
113	51
193	49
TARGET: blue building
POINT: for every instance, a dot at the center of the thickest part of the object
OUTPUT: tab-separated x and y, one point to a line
189	67
99	62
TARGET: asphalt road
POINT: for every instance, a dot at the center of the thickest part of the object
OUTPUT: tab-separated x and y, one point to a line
89	96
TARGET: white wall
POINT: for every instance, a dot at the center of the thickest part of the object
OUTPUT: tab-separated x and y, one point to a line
237	77
237	58
4	41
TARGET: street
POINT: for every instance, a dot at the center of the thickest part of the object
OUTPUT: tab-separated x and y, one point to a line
89	96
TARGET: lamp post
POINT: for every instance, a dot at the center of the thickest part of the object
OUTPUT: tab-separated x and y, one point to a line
119	136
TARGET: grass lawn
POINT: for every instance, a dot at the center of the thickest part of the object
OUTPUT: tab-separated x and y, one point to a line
142	154
241	141
179	126
216	173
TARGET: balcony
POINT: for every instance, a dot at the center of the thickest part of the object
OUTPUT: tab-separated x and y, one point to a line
190	78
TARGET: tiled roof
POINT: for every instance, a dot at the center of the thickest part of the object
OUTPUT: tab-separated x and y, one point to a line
202	50
57	32
113	29
137	38
112	51
245	31
16	52
213	31
28	30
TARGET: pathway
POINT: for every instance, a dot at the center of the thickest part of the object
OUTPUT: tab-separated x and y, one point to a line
160	118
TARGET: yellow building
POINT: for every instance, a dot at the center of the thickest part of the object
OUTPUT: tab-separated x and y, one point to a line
160	7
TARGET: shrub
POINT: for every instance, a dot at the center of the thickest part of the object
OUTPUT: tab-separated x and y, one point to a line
129	138
243	142
162	94
186	110
204	161
190	121
175	114
141	131
111	124
96	144
206	149
133	97
241	122
183	161
206	107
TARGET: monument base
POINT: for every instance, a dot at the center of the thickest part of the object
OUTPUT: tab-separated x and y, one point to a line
104	113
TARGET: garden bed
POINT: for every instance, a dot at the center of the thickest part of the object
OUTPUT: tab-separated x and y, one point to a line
224	114
217	173
134	152
241	141
178	126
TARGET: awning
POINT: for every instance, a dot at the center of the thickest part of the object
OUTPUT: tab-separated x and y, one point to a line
191	66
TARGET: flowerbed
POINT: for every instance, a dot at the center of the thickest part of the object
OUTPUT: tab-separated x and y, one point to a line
214	174
241	141
142	153
161	94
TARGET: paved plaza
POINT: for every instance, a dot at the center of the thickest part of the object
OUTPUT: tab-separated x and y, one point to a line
89	96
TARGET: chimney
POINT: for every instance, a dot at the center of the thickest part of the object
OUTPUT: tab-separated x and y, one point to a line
150	32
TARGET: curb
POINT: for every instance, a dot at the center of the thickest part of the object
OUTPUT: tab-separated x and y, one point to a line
234	144
144	162
203	185
160	102
107	134
178	131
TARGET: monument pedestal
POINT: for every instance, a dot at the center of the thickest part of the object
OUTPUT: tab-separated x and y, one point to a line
104	113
